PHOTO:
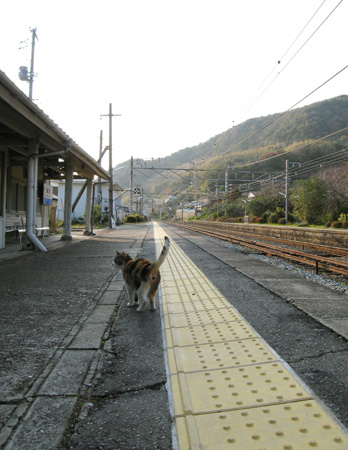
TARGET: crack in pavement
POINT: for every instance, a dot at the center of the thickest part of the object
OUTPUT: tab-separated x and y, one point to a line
318	356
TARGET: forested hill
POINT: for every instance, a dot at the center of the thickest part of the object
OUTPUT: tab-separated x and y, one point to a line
297	126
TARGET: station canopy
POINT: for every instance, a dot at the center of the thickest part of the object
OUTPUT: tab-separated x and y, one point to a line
21	122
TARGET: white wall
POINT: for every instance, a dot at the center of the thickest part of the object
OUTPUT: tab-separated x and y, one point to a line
81	205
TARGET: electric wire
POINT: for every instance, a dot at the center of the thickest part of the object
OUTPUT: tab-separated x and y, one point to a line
309	166
282	114
244	111
320	164
305	168
312	168
272	121
281	178
310	37
233	147
318	160
300	33
293	149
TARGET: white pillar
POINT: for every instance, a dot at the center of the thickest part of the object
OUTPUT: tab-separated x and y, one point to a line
88	206
68	202
31	196
3	175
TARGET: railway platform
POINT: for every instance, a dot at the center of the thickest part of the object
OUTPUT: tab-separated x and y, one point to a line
229	389
74	376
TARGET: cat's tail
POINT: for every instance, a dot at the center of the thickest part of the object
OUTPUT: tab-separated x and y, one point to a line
157	264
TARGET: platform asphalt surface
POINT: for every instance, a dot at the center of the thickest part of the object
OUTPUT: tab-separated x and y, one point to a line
79	370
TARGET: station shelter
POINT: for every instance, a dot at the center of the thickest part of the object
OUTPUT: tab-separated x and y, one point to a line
101	199
33	152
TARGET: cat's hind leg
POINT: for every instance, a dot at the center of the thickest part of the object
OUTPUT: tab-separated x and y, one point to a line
131	294
136	300
152	295
142	294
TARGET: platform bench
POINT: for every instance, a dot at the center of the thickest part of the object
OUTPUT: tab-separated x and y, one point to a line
39	231
42	231
18	228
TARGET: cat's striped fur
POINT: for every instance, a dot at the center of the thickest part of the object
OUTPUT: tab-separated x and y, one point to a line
141	277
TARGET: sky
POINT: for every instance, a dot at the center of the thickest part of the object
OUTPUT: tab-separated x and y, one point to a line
177	72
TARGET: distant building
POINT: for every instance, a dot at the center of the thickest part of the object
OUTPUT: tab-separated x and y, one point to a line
101	198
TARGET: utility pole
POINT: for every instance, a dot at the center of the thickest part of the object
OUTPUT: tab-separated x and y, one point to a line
99	196
217	198
31	75
286	190
287	180
110	115
131	188
24	75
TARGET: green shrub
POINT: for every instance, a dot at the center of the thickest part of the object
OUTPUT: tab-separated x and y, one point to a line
215	215
282	221
310	200
274	217
256	220
131	219
77	221
235	219
100	217
260	220
336	224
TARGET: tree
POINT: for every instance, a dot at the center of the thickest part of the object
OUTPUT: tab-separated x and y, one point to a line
267	201
235	209
337	182
310	200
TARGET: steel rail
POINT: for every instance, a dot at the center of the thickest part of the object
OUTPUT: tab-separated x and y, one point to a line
317	261
337	251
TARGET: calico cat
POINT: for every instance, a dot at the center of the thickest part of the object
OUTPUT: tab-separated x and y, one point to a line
141	277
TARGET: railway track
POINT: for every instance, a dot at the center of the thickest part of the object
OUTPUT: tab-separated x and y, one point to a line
319	257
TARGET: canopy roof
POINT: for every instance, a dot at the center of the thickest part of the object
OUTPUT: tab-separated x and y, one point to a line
21	121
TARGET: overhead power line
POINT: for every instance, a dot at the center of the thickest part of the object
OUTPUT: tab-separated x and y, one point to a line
247	106
318	163
233	147
294	149
302	46
307	167
303	29
310	37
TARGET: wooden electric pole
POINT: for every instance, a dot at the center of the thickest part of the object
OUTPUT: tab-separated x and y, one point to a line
110	115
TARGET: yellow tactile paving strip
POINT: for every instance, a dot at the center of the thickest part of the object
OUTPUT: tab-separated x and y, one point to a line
229	389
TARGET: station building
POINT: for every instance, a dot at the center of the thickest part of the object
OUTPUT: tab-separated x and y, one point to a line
101	197
35	152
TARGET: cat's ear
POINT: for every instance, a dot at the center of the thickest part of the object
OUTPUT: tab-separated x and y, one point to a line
117	253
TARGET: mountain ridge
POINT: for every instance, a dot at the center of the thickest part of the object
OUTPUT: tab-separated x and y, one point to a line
245	144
